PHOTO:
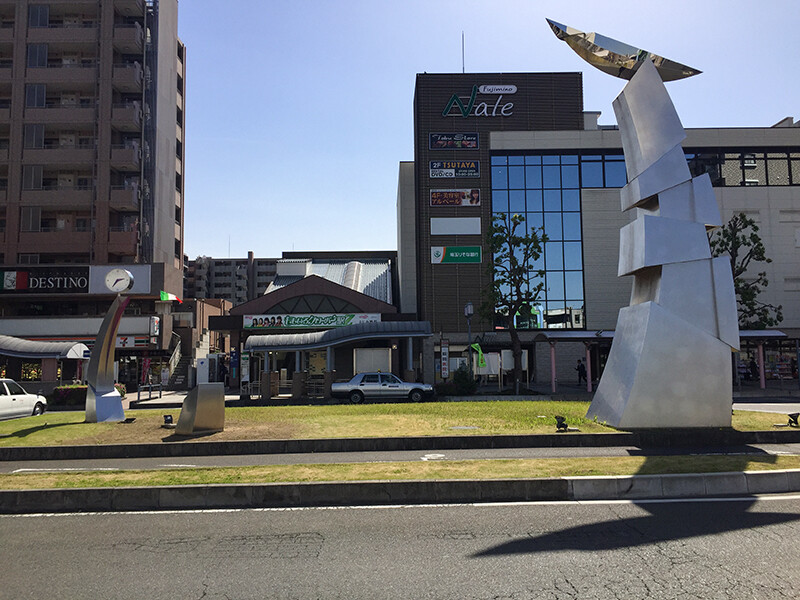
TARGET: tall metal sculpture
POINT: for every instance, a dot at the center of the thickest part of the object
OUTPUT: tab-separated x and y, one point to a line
103	400
670	363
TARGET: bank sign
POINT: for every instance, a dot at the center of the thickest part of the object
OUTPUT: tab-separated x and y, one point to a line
483	101
45	280
455	254
308	321
449	169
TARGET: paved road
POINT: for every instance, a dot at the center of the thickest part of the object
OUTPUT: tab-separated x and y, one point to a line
739	548
365	457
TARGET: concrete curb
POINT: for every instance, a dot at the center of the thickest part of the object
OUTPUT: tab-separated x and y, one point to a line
376	493
641	439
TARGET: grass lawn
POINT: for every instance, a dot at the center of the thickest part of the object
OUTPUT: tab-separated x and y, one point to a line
335	421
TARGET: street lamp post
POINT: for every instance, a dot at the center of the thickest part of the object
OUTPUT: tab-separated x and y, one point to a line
468	312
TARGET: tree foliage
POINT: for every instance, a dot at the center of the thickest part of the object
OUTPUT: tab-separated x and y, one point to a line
739	239
515	282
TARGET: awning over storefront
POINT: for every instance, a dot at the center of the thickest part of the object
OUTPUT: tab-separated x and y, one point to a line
338	336
19	348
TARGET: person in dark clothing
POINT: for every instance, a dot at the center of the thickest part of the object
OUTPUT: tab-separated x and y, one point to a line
581	369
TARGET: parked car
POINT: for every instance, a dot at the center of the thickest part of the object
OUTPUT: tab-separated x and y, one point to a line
380	386
16	402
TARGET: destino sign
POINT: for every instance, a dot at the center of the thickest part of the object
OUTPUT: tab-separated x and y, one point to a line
45	280
308	321
495	107
455	254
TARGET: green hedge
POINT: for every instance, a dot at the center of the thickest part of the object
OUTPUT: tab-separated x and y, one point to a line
75	395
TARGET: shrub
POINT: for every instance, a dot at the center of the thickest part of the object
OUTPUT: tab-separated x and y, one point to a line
445	388
464	381
75	394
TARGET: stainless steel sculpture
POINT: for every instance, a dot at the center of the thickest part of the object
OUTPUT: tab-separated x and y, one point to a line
670	363
203	410
103	401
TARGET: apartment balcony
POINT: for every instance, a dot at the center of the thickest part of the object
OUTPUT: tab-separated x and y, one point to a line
83	73
3	195
4	153
126	158
63	240
76	34
7	32
129	8
127	117
5	113
128	77
129	39
60	114
5	70
64	156
125	198
122	242
66	197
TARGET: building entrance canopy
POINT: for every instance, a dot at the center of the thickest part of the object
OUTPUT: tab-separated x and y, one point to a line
338	336
19	348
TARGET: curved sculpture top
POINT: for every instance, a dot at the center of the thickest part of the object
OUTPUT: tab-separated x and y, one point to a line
616	58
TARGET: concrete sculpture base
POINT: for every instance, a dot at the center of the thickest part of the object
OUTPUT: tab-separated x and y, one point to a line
203	410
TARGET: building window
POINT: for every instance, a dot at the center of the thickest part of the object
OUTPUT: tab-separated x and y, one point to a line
34	136
37	55
38	15
32	177
545	190
28	259
35	95
30	218
178	252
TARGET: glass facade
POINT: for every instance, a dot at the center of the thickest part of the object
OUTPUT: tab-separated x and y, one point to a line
546	189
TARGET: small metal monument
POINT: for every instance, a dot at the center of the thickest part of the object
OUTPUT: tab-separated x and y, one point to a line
103	400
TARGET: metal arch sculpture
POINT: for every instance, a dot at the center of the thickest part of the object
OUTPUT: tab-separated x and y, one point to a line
670	362
103	400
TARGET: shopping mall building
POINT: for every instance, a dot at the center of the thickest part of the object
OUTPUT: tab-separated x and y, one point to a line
522	143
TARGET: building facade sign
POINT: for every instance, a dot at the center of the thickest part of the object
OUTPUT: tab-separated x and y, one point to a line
308	321
455	254
492	105
464	197
445	358
45	280
448	169
453	141
456	226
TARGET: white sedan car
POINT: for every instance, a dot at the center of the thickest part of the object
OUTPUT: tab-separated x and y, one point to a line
380	386
16	402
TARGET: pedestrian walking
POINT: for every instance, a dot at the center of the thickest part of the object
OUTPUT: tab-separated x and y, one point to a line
581	369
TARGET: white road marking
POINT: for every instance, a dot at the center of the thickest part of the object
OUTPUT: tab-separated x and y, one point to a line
433	457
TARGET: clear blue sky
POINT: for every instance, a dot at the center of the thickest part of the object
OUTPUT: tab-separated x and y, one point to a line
299	111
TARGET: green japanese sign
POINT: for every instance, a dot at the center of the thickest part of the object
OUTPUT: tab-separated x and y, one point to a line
455	254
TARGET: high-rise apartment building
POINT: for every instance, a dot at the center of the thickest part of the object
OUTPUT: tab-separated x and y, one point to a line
91	162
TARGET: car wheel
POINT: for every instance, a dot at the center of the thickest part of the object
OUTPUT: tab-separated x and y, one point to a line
415	396
356	397
38	409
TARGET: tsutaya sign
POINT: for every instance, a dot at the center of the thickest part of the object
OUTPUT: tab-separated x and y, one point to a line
494	107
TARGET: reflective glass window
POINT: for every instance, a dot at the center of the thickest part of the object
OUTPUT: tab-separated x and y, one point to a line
533	160
573	260
615	174
516	178
573	285
551	177
569	176
499	201
569	159
552	226
553	256
592	174
516	201
778	171
571	200
572	226
534	199
499	178
551	160
552	200
535	221
533	177
555	286
516	160
499	160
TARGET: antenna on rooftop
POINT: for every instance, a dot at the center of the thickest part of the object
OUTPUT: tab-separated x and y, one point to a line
462	51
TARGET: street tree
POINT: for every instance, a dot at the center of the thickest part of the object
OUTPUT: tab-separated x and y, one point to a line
515	282
739	239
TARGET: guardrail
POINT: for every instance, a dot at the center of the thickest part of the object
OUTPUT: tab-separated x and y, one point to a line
149	387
